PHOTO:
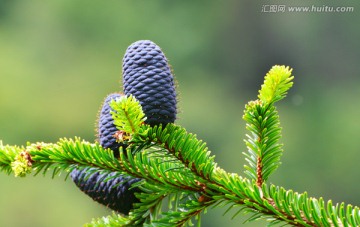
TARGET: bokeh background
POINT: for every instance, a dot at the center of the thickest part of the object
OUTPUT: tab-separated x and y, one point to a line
59	59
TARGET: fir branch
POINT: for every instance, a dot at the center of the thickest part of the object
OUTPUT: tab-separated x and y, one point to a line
192	208
264	152
67	154
192	152
277	204
271	202
262	119
174	162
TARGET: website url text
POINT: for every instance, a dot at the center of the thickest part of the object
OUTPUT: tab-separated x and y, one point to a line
306	9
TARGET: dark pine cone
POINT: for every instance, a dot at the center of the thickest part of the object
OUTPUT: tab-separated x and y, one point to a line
118	198
114	193
106	128
147	76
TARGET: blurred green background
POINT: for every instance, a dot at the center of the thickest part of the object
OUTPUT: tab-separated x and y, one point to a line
59	59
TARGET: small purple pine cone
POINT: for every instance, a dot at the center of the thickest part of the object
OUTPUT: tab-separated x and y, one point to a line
147	76
112	193
106	128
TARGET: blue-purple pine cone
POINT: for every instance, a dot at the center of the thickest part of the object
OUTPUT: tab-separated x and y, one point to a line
114	193
106	128
147	76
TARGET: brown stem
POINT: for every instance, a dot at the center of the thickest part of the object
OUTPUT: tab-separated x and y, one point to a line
259	180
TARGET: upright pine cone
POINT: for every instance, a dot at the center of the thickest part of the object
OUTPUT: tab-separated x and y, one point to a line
112	193
147	76
106	128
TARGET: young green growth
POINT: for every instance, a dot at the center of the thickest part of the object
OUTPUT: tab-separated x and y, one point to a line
128	115
276	84
22	164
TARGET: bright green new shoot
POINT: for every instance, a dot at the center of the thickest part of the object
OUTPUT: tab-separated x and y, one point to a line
128	115
277	82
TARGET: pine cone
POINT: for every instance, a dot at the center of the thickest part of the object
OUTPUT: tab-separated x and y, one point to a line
119	198
147	76
106	128
114	193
